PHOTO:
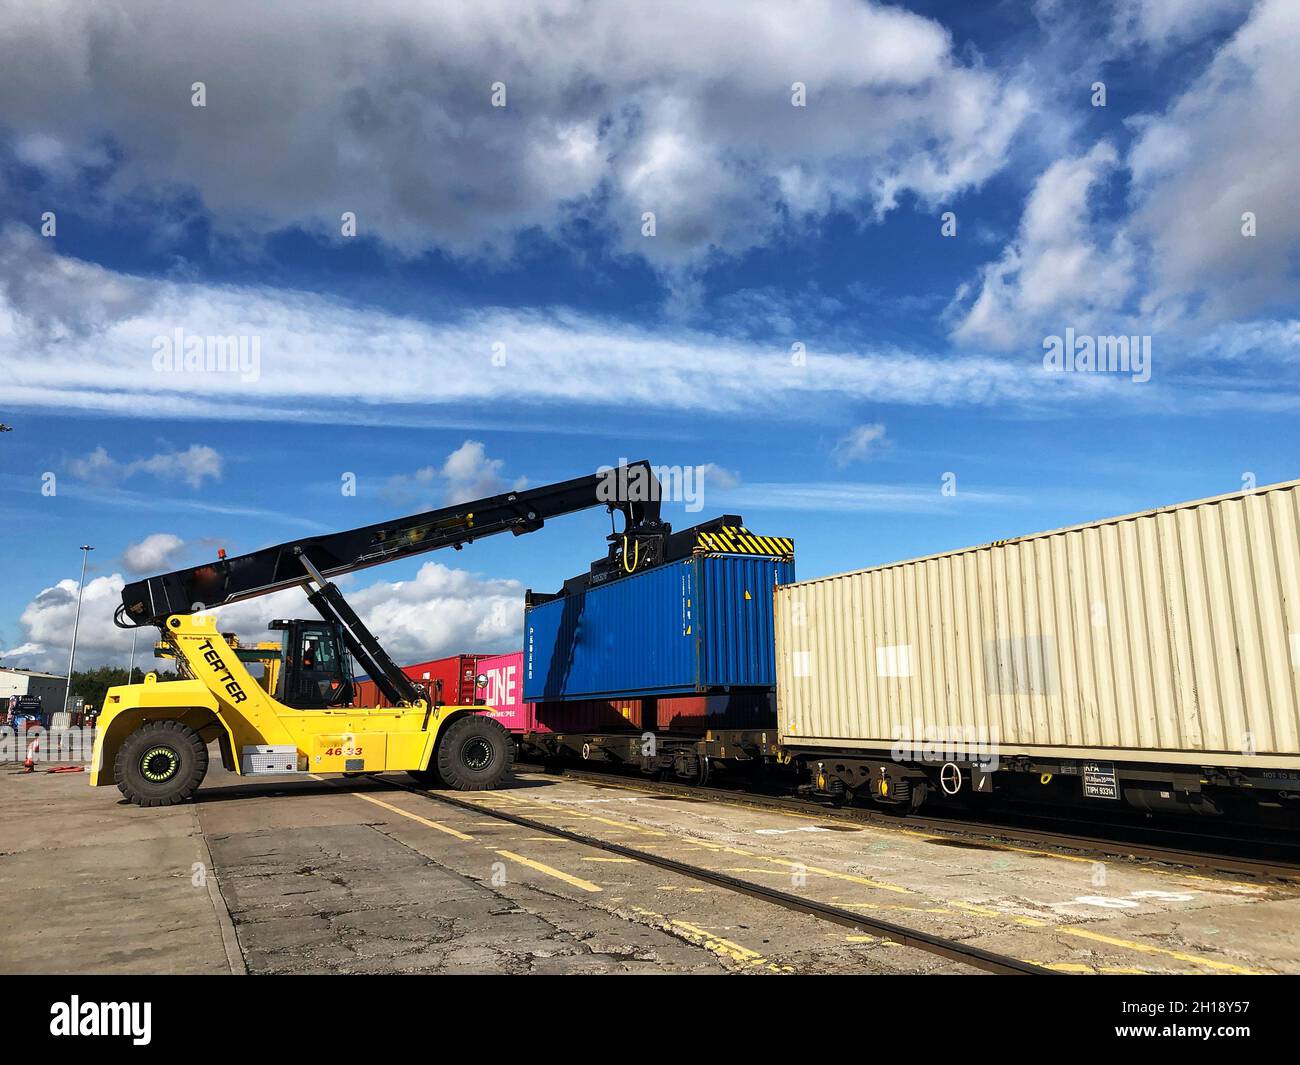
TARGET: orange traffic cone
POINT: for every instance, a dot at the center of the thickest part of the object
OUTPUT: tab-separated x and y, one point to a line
30	764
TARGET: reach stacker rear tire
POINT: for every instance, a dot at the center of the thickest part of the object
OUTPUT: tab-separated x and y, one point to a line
474	754
160	764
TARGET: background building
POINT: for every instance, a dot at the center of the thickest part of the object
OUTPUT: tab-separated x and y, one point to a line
49	687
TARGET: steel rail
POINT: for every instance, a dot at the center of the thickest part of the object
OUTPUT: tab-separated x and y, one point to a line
1014	834
951	949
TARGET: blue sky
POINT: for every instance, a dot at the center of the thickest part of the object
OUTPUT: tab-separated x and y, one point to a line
520	231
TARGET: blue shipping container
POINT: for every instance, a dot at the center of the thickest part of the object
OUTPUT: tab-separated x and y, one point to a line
701	624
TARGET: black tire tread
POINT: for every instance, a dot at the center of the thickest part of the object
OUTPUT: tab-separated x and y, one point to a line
453	775
184	739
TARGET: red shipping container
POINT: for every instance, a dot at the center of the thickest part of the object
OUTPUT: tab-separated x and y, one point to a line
588	715
699	713
448	681
364	693
503	691
682	713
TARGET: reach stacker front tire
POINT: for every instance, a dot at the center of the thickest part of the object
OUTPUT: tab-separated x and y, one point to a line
475	754
160	764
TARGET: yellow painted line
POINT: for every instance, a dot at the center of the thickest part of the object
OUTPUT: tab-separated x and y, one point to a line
1031	922
833	874
555	808
920	834
575	881
985	911
1146	948
618	861
504	796
869	882
718	945
622	824
723	948
859	939
414	817
587	885
1079	967
784	862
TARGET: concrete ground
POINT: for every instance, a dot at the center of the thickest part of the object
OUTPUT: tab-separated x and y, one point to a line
283	875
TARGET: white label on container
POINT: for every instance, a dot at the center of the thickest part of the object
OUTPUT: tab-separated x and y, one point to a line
1295	650
802	663
894	661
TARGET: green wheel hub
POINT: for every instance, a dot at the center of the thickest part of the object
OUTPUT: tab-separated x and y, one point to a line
159	764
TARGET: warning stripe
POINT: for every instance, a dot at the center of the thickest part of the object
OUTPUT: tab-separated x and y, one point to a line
740	541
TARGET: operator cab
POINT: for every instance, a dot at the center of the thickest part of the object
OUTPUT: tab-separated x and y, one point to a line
315	672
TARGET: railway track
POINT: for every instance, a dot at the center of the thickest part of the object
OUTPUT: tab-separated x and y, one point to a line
1100	842
951	949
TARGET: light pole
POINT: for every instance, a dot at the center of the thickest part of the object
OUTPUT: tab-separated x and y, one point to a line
86	549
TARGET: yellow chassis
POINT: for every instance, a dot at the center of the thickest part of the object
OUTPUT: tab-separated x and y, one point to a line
228	704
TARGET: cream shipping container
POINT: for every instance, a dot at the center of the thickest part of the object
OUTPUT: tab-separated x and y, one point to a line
1152	659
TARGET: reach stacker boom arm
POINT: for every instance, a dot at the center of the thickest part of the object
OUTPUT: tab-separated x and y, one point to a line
297	716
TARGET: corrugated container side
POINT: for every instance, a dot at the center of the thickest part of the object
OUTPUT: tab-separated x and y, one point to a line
733	710
699	624
503	692
1172	634
588	715
365	693
456	672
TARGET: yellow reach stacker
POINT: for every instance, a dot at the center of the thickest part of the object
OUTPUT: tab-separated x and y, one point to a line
297	716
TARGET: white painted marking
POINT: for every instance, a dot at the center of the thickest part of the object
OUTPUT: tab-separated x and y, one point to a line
802	663
895	661
1105	902
786	831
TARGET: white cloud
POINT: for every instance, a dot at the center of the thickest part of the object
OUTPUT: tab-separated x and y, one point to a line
441	611
1061	270
46	622
712	476
191	466
837	497
860	442
470	474
1162	24
669	106
317	353
22	651
467	473
1228	145
151	553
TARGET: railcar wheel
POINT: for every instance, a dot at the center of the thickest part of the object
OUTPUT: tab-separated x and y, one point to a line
160	764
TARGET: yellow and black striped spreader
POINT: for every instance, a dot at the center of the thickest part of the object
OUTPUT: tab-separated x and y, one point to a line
737	540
